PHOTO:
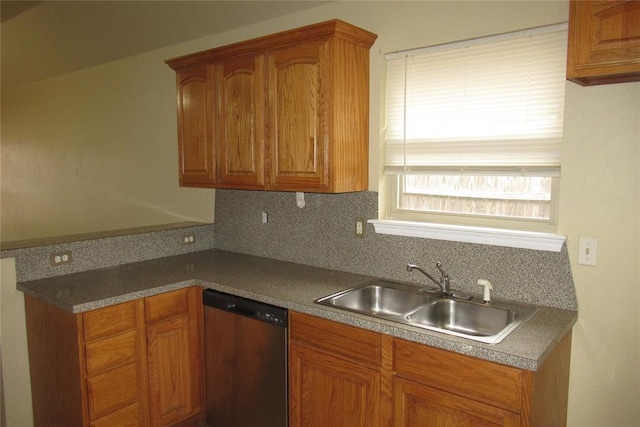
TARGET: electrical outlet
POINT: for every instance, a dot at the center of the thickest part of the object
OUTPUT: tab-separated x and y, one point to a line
188	239
587	251
360	226
265	217
60	258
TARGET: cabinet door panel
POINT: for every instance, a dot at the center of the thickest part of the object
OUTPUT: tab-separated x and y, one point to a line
240	117
169	378
417	405
195	139
297	100
330	391
604	42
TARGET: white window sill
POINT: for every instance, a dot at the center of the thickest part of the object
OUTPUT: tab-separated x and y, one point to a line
457	233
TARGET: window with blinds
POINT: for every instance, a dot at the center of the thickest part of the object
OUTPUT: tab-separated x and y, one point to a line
475	128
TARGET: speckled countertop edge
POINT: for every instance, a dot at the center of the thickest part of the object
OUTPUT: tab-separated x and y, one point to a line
289	285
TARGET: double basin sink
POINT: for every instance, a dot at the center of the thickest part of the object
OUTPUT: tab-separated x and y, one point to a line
407	304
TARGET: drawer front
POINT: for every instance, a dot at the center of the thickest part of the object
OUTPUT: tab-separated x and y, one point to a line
112	390
109	320
111	353
130	416
463	375
166	306
336	338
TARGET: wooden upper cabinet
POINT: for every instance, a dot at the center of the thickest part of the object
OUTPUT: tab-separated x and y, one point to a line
239	110
195	138
297	118
604	42
291	111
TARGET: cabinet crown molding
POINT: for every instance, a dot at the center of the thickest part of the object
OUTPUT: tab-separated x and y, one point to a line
331	28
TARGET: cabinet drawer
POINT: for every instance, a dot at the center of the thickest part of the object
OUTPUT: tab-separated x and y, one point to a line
109	320
111	352
166	306
480	380
336	338
112	390
130	416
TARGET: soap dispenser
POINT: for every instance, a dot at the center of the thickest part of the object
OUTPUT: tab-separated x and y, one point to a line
486	295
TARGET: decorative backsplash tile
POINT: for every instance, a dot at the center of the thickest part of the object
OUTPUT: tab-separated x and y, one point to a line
323	234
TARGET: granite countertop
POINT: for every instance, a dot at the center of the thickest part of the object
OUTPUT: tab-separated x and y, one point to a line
289	285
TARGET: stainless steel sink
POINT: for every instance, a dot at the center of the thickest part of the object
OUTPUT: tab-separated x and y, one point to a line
405	303
380	298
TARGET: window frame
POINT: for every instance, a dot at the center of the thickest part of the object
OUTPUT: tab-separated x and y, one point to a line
501	231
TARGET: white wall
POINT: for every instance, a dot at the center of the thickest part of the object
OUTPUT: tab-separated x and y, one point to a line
600	183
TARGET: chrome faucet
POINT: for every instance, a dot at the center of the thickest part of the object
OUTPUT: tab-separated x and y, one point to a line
444	283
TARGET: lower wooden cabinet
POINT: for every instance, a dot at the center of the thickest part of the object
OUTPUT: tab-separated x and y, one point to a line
174	349
138	363
331	391
419	405
340	375
335	375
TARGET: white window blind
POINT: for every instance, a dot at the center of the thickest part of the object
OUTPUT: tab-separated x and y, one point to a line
486	106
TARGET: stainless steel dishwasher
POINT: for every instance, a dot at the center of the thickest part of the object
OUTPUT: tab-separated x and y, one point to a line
245	362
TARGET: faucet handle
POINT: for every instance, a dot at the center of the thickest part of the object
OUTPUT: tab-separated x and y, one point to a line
444	273
444	278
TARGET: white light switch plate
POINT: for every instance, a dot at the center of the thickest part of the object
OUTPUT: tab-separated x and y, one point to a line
587	251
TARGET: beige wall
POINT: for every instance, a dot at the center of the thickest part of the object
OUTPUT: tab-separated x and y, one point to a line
600	183
599	198
15	361
92	151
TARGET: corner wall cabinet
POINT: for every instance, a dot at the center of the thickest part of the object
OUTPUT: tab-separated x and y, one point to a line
604	42
342	375
285	112
137	363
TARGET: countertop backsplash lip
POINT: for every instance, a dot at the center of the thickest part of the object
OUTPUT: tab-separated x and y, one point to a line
287	284
32	263
13	245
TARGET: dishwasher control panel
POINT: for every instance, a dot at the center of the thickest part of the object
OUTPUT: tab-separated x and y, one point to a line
246	307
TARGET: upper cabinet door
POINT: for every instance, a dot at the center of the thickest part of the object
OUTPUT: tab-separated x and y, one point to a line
604	42
195	127
240	114
297	124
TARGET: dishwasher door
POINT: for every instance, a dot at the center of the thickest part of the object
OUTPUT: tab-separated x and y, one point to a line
245	362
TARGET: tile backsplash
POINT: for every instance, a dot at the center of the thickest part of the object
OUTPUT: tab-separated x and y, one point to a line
323	234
